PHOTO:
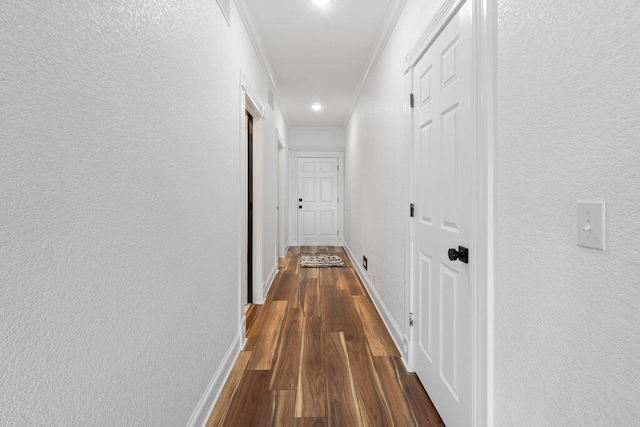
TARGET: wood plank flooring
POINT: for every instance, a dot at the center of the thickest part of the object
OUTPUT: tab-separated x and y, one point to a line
318	354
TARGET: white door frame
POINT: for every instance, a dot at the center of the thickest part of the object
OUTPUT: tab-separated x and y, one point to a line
481	247
250	102
281	203
293	189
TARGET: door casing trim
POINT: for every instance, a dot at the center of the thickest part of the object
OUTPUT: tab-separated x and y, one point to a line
250	102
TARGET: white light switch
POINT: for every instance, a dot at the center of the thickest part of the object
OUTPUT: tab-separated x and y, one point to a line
591	225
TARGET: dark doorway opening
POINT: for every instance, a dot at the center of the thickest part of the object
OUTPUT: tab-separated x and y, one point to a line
249	120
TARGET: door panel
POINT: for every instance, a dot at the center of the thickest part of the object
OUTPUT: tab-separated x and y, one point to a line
327	167
309	223
308	189
327	189
443	151
425	296
429	162
327	223
318	210
309	166
448	315
450	170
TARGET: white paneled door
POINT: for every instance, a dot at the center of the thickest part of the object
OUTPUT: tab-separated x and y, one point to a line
443	151
317	201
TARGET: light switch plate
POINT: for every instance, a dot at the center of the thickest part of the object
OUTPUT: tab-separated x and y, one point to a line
591	225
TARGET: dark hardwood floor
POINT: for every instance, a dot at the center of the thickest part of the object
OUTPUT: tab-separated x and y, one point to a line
318	354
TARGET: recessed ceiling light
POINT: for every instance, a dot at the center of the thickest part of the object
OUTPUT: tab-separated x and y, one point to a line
321	2
316	107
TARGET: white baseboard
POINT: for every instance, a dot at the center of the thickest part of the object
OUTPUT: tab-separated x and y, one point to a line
243	330
203	411
270	279
394	330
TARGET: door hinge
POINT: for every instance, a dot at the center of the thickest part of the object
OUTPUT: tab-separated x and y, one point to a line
338	167
338	232
410	319
338	199
411	210
411	100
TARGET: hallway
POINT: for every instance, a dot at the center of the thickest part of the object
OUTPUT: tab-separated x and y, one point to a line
318	354
124	221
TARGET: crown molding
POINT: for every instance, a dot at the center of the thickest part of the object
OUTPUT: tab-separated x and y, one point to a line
251	27
391	18
225	8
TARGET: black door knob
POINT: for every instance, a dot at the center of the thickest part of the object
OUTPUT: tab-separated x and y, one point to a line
299	206
462	254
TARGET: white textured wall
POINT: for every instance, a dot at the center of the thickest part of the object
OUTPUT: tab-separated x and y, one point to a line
317	139
118	207
377	165
567	318
270	191
284	235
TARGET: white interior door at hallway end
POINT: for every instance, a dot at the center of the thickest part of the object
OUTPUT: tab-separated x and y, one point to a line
443	154
317	201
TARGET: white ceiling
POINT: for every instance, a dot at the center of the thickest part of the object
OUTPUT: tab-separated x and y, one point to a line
318	53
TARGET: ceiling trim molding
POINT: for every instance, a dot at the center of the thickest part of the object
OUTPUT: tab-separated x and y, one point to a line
225	8
391	18
251	27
